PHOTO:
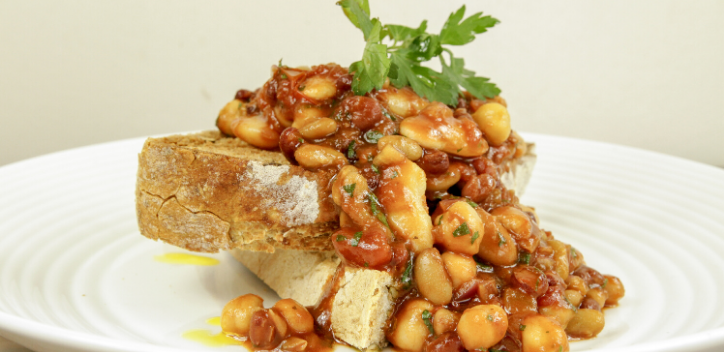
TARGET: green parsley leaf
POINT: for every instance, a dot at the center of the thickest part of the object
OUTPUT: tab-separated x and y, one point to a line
374	203
455	32
475	237
462	230
524	258
373	136
355	240
401	62
349	188
501	239
484	267
406	278
351	154
375	169
427	318
341	238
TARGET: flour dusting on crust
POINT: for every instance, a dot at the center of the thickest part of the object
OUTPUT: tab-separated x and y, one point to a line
296	199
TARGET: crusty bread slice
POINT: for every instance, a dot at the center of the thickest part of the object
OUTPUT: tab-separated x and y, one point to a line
205	192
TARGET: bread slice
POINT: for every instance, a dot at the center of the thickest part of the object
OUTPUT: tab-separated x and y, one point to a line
206	192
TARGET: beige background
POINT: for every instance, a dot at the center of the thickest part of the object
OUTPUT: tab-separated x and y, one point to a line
646	74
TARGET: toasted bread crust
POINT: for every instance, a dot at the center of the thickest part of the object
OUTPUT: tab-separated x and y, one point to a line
205	192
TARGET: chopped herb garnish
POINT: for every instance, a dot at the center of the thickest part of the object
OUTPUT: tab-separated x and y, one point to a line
406	278
459	150
605	282
524	258
387	114
462	230
341	238
501	239
367	265
373	136
375	169
355	240
521	328
560	348
284	76
471	203
475	237
402	60
375	210
427	318
351	154
301	140
350	188
490	317
394	174
301	88
495	350
439	220
573	253
484	267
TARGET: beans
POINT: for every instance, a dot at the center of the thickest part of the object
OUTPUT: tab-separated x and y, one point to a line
574	297
228	116
589	303
575	282
478	188
294	344
305	114
434	162
444	321
409	331
404	145
497	246
403	102
599	295
561	258
436	128
236	315
525	232
431	278
460	267
297	317
319	128
351	193
367	248
401	191
494	121
313	157
561	314
530	279
589	275
364	112
318	88
243	95
289	141
586	323
484	165
459	229
482	326
614	288
441	182
447	342
255	131
542	334
266	329
516	300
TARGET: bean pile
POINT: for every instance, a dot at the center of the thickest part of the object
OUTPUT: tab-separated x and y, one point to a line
418	185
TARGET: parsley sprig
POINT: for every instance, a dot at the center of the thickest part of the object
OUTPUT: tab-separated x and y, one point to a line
408	48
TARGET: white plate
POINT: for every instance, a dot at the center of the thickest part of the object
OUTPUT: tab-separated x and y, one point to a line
75	274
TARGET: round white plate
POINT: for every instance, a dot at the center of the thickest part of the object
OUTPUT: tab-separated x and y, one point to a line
76	275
